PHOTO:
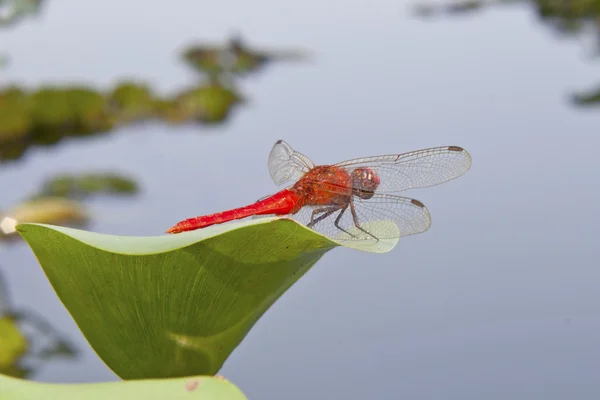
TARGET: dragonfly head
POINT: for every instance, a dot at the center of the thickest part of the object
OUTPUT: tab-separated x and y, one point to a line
364	182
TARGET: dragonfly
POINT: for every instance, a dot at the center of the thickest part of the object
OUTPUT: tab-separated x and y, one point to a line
350	200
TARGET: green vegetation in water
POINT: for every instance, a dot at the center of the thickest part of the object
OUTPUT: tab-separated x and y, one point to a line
586	99
73	111
175	305
58	201
89	111
55	210
568	17
15	123
13	347
13	11
84	185
22	354
132	101
235	58
49	114
210	103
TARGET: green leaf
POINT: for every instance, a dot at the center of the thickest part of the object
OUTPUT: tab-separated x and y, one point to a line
196	387
13	343
175	305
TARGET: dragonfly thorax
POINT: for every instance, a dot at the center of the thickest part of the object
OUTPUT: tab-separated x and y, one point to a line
364	182
324	185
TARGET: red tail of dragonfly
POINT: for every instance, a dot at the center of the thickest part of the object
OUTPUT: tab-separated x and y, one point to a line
349	200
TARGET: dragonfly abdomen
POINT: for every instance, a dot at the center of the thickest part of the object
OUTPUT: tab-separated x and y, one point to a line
281	203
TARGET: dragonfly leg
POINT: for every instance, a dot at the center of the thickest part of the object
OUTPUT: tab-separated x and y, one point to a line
355	218
337	221
327	212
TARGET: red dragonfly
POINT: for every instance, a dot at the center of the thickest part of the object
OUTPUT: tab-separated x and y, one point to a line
353	194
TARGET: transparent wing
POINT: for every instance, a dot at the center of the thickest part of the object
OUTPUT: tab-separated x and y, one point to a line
383	216
286	164
415	169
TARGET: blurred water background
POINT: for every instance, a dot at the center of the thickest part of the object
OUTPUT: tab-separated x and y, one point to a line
499	299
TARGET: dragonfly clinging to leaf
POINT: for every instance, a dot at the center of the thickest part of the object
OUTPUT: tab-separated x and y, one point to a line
350	200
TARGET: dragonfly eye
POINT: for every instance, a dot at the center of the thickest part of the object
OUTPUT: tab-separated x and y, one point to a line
364	182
